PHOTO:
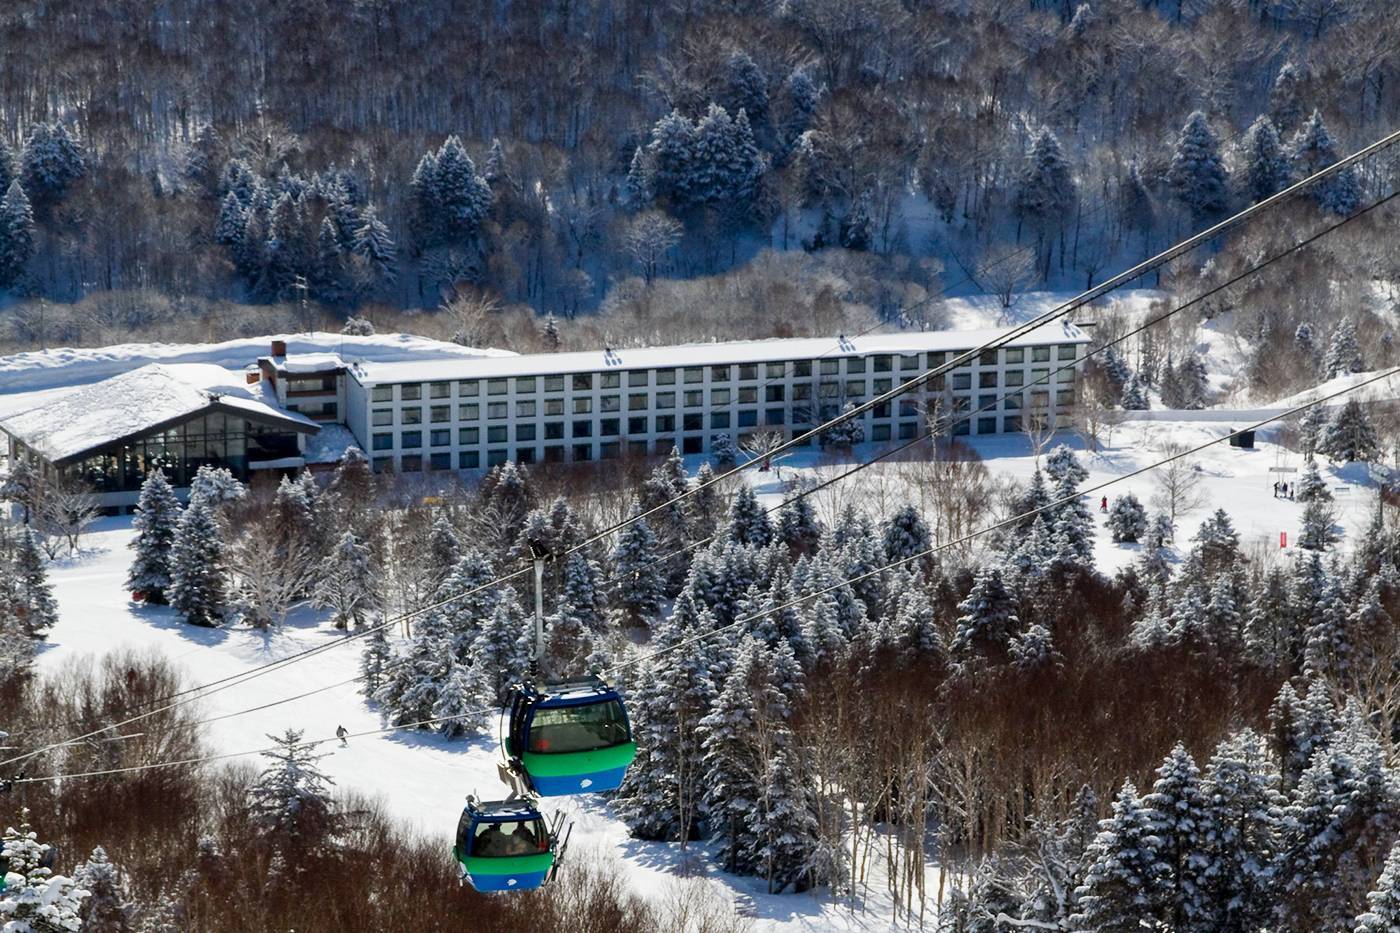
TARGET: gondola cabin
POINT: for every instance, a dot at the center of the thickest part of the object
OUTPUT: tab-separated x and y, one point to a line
569	738
504	846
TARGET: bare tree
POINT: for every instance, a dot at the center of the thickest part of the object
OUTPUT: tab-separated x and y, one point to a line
1178	483
65	511
649	237
1007	276
270	580
471	313
760	446
1038	424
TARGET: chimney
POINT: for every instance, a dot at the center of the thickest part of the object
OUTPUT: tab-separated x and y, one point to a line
252	377
279	348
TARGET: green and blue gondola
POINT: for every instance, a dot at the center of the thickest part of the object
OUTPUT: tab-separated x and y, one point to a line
569	738
504	846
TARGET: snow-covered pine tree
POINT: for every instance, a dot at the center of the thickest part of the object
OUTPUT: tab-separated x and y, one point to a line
107	907
16	235
414	678
1123	885
1312	150
1268	622
986	619
1383	902
723	451
216	486
1127	519
444	548
748	521
1135	394
458	708
471	600
1197	174
1062	465
1243	810
846	434
1319	520
198	577
34	592
798	526
502	650
157	515
637	188
634	557
375	659
1310	483
373	246
787	829
1312	428
1285	97
349	584
290	801
462	196
581	614
51	162
735	736
1045	190
906	534
673	158
1264	166
1350	436
1181	823
1343	354
34	899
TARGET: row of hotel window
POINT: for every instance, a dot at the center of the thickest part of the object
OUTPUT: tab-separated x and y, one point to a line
607	450
695	398
801	418
692	375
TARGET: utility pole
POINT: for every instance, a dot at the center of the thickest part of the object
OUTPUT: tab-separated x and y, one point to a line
538	556
299	283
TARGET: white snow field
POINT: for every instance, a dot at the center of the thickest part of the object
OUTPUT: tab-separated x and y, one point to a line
424	778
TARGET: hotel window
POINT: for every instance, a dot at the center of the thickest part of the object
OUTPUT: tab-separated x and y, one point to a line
583	451
987	358
468	412
467	436
610	450
1016	355
410	393
439	389
468	460
986	402
554	431
881	410
774	393
855	387
440	413
497	457
554	383
719	396
524	432
883	363
582	382
665	400
987	380
382	442
382	417
719	373
908	430
383	393
638	377
410	440
694	398
583	428
554	406
637	401
936	383
802	393
1015	378
962	380
908	408
1067	352
773	416
829	390
986	425
748	371
719	419
1040	376
496	435
442	437
665	424
610	380
1064	375
1011	401
637	425
497	410
524	409
1065	398
1012	423
497	386
665	377
830	367
468	388
693	374
960	404
881	386
610	403
962	429
608	427
583	406
748	418
636	448
802	368
801	415
411	463
909	361
554	454
525	455
693	422
525	384
775	370
411	416
1040	354
748	396
880	432
855	364
937	358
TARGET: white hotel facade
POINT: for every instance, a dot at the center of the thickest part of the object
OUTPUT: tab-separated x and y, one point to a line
470	414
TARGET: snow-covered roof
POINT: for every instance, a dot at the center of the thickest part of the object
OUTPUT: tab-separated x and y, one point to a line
372	372
308	362
61	425
330	444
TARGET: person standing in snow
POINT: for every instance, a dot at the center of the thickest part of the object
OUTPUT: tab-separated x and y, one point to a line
340	733
1103	504
1275	489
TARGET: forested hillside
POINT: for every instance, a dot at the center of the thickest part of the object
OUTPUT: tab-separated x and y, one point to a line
564	155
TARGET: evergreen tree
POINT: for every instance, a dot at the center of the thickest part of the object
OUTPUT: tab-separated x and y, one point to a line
846	434
1045	192
375	660
16	234
1242	816
198	584
1350	436
1123	885
1312	151
1311	485
1135	394
215	486
33	590
1285	99
373	246
290	801
986	619
444	548
51	162
202	160
1197	174
107	907
1062	466
672	150
1127	519
748	521
349	584
580	616
8	166
1319	519
734	743
723	451
1181	823
634	558
1383	913
637	188
1343	355
34	899
457	708
157	515
798	526
1264	168
463	196
502	650
787	828
906	534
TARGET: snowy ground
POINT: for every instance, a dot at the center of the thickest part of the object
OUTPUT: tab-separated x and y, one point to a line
423	779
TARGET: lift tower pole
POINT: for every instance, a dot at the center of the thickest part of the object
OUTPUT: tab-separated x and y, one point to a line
538	556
